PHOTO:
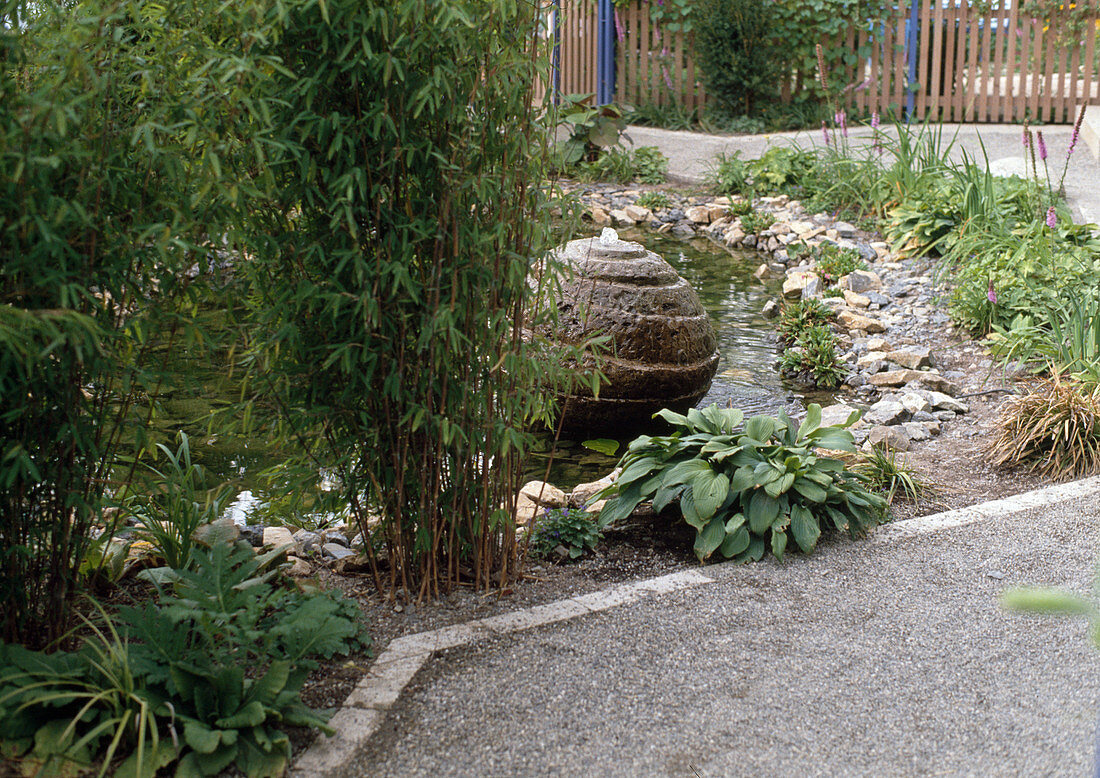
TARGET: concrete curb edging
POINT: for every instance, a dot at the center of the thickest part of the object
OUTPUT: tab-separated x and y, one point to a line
1049	495
364	710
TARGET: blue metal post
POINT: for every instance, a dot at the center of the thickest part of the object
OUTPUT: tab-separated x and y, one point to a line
555	55
912	53
605	53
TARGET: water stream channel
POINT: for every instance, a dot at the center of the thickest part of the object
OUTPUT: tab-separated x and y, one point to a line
747	378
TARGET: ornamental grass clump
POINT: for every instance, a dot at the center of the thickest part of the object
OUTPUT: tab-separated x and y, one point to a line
1052	429
747	486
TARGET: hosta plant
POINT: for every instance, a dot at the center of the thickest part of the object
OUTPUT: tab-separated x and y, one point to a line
747	487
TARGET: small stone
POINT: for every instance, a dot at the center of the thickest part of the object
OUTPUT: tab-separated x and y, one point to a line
762	272
600	217
886	412
896	377
277	537
915	404
845	230
856	380
812	288
582	493
916	431
638	213
944	402
620	216
945	415
336	551
838	414
855	299
877	344
796	281
543	494
770	309
893	438
735	236
925	416
860	281
716	212
308	541
299	568
699	214
911	360
870	358
850	320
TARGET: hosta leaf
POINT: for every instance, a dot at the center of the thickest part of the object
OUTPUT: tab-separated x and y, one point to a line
621	505
742	479
760	428
811	422
724	419
840	521
780	485
687	508
754	552
635	470
735	522
708	490
684	472
710	538
251	715
735	543
673	418
664	497
779	544
804	527
699	421
765	473
833	438
762	511
809	490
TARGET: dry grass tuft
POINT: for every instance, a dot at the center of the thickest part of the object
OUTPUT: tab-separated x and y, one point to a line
1053	429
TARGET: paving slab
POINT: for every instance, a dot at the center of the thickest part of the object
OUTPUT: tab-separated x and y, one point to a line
863	659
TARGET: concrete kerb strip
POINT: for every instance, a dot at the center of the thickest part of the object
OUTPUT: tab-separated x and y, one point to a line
365	708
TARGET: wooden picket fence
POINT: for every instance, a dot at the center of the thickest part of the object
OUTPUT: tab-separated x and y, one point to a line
991	64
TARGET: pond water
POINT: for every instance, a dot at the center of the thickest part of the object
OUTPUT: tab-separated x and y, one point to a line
746	379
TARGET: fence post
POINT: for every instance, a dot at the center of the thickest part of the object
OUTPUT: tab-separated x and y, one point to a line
912	54
605	53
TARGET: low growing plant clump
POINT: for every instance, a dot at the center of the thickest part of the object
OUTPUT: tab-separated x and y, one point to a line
1053	428
799	316
833	261
574	529
208	677
645	165
747	488
813	360
885	472
756	223
654	200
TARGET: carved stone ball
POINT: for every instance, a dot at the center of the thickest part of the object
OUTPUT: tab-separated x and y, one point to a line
662	351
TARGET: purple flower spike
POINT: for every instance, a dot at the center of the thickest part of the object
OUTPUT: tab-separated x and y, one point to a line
1052	218
1024	136
874	120
1042	146
991	295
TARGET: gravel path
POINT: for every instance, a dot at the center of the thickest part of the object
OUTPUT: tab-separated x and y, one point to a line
692	155
865	659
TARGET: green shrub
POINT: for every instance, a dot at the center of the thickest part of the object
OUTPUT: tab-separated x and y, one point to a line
729	175
650	165
594	129
738	57
115	170
654	200
746	489
755	223
832	261
646	165
784	169
209	677
574	529
813	358
799	316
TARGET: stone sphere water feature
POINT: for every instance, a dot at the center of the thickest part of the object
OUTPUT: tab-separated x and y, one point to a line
663	349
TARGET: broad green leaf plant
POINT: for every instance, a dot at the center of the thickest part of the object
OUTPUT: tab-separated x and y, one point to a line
747	487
